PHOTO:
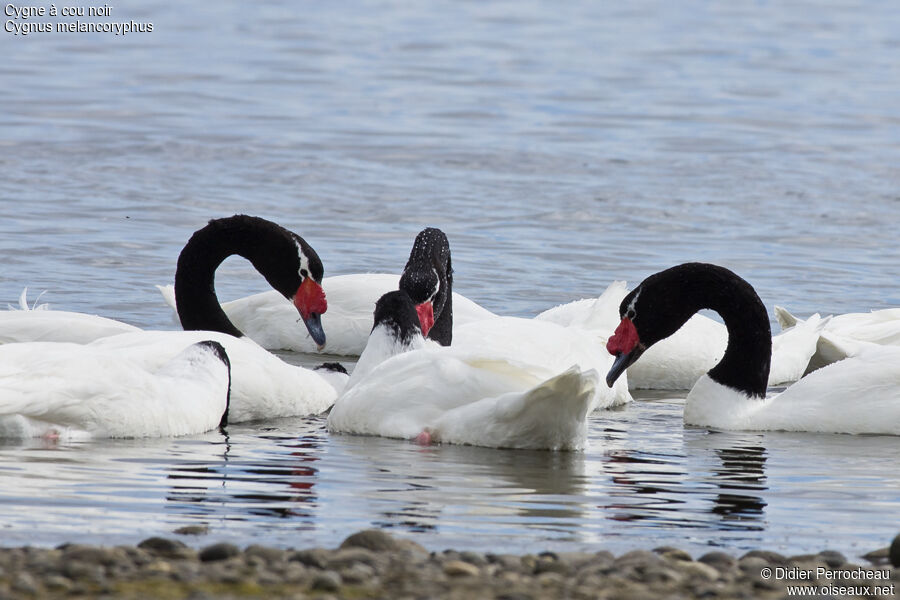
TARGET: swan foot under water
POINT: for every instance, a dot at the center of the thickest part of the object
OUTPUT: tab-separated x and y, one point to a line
426	438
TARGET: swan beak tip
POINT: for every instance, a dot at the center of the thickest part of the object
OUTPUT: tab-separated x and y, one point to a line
622	362
314	326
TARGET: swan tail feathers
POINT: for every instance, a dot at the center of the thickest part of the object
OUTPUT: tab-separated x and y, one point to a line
550	416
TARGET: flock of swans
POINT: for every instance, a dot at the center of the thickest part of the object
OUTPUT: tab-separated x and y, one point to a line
434	366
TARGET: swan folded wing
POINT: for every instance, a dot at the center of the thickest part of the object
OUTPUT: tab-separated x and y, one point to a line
860	394
550	416
793	348
262	385
406	393
57	326
599	315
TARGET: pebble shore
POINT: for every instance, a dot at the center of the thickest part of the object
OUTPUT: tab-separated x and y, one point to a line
373	564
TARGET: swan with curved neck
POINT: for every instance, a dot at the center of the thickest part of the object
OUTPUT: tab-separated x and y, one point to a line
288	263
860	394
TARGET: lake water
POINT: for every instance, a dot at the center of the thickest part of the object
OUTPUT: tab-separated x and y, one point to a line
559	148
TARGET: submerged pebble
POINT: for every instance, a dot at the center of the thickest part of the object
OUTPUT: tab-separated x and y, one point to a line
374	564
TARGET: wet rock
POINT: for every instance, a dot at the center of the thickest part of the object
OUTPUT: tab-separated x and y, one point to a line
773	558
832	558
347	557
326	581
25	583
878	557
314	557
221	551
718	560
266	554
894	552
166	548
192	530
670	553
371	539
638	558
379	541
357	573
699	570
459	568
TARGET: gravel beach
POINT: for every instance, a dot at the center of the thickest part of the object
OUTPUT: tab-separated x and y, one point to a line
373	564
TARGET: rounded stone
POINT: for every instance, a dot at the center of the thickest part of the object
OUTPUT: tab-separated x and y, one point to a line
371	539
773	558
326	581
719	560
894	551
459	568
221	551
166	548
832	558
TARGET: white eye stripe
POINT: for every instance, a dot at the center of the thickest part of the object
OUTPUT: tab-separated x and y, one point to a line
304	261
437	285
630	312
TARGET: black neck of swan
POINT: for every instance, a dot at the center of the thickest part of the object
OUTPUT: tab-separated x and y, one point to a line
271	249
430	256
665	301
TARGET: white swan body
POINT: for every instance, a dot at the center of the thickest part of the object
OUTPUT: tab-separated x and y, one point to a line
408	388
262	385
860	394
846	335
678	361
540	342
271	321
40	324
72	391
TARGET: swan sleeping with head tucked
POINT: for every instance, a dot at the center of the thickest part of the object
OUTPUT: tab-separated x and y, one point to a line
860	394
405	386
72	391
848	334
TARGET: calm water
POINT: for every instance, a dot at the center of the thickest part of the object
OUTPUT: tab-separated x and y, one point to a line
558	148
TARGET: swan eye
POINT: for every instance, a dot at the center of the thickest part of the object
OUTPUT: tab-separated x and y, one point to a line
630	314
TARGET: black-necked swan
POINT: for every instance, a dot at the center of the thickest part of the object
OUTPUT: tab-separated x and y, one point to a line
408	387
263	386
426	277
860	394
68	391
288	263
677	362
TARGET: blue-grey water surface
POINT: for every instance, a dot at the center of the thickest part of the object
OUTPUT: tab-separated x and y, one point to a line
559	146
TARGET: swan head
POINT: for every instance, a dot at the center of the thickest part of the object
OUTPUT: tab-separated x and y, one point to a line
307	295
428	276
652	311
396	314
663	302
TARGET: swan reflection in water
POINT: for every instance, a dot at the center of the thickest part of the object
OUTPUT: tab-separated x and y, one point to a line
693	474
217	480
